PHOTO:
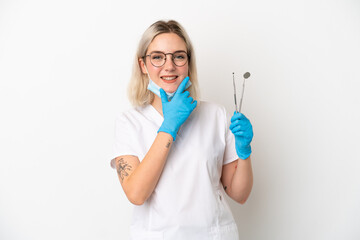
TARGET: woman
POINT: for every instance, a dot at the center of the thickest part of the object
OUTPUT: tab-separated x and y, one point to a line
176	157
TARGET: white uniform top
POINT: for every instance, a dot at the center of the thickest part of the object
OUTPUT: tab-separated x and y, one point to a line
188	202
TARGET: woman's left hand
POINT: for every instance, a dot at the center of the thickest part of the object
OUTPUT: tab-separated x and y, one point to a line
242	129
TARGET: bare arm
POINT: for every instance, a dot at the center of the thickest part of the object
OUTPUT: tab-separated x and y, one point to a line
139	179
237	179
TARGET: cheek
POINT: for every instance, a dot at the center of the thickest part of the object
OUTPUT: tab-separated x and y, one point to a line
153	70
185	70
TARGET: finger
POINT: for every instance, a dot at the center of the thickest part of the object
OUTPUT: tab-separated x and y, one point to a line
243	124
182	85
235	129
239	116
194	104
188	100
186	94
239	134
164	98
236	116
234	124
246	133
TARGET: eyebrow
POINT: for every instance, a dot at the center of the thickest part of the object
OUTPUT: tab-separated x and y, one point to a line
164	52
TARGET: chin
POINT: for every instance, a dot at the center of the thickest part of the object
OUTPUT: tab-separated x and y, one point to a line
170	89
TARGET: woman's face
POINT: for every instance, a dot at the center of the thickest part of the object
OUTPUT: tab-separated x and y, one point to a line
169	76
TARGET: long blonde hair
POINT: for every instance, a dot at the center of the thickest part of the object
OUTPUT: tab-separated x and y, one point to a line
138	93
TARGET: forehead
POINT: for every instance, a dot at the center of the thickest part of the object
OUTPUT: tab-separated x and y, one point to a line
167	42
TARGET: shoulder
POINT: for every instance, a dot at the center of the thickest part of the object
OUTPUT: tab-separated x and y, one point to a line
130	116
212	112
131	113
213	108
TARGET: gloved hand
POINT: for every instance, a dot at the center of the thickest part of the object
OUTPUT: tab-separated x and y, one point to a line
177	110
242	129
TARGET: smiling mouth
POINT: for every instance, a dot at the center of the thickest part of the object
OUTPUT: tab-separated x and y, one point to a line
169	78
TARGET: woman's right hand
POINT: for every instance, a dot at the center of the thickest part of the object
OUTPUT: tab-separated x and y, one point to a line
177	110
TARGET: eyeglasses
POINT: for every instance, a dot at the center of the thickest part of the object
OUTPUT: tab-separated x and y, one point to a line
158	59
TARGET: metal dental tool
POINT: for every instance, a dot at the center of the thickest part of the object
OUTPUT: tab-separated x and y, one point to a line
234	93
246	76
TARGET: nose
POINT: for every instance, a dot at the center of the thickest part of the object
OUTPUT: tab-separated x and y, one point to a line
169	64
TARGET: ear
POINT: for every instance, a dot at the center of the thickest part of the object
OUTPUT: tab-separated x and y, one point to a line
142	66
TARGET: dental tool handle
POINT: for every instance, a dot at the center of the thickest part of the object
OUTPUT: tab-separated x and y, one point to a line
242	95
236	108
235	103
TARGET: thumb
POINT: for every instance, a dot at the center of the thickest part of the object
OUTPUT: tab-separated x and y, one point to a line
164	98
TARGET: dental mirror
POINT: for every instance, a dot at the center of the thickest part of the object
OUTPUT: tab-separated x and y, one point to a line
246	76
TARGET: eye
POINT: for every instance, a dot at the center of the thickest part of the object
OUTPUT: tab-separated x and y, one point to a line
157	56
180	56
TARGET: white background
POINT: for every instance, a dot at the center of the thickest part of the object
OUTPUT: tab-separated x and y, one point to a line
64	68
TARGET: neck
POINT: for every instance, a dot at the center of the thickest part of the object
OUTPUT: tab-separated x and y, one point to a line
156	103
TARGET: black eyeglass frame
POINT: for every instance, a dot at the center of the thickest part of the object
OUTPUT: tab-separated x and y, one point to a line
172	57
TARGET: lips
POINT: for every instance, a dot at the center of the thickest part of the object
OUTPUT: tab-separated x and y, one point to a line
169	78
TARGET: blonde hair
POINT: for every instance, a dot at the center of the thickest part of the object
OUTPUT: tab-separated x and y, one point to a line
138	93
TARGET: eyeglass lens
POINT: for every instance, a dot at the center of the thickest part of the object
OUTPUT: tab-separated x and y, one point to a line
158	59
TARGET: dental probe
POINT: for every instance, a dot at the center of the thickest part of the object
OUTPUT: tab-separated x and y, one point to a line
246	76
234	93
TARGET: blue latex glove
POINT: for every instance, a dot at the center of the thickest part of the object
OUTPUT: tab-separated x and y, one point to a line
242	129
177	110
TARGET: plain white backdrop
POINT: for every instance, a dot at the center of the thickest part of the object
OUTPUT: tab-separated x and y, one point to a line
64	68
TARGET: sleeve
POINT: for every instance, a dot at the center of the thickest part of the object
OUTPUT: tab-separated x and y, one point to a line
123	138
230	154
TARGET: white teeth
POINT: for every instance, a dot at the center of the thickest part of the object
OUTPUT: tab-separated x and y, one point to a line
168	78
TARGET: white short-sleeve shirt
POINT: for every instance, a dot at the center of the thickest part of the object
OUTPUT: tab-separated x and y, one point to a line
188	201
